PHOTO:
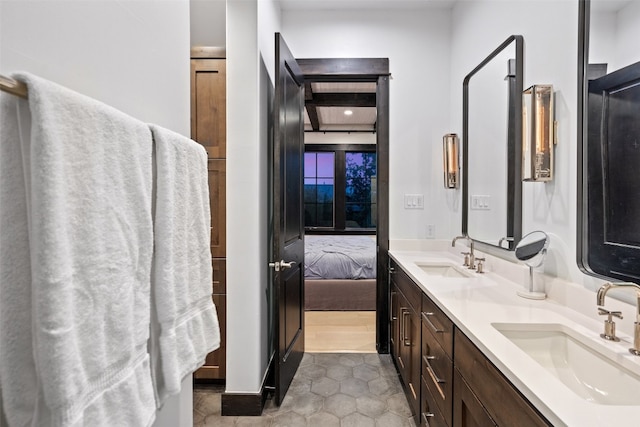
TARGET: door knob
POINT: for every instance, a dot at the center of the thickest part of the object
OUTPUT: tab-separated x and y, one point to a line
281	265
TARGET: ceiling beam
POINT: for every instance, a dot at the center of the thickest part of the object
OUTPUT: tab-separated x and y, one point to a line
312	111
342	99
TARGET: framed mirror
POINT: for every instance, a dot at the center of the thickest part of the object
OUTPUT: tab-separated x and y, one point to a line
492	147
608	244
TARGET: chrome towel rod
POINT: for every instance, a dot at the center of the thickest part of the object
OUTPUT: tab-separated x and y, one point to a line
14	87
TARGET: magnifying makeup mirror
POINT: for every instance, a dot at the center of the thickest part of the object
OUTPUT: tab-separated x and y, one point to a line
531	250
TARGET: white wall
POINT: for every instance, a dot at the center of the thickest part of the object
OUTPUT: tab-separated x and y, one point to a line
208	22
132	55
250	58
614	35
416	43
550	57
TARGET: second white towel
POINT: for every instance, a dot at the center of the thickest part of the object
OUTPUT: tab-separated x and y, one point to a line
184	327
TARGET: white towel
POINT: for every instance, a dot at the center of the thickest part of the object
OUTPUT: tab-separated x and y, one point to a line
17	368
184	320
88	185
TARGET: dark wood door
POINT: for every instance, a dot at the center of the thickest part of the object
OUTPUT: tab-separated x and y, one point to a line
288	223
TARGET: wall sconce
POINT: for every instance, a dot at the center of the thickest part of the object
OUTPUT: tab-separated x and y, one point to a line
538	133
450	164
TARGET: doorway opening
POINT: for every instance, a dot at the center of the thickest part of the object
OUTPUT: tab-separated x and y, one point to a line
346	204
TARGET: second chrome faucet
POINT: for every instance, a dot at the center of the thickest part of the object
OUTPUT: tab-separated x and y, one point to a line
470	257
602	292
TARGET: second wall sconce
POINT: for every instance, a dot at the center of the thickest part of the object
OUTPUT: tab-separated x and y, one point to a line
538	133
450	164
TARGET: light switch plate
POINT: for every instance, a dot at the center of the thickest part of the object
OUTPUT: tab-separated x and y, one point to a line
414	201
481	202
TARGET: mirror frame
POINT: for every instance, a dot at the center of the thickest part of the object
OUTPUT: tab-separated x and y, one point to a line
584	16
583	238
514	153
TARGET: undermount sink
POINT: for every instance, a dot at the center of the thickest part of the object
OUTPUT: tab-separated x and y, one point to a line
571	358
443	270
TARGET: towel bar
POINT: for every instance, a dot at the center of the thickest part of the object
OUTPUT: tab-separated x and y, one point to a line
13	87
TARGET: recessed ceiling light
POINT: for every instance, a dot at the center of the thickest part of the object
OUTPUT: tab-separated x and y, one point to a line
348	112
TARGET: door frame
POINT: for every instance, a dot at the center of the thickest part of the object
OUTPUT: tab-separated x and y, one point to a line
368	70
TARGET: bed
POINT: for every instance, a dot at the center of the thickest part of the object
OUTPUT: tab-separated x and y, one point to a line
340	272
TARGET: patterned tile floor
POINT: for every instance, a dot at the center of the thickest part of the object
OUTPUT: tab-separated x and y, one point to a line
329	389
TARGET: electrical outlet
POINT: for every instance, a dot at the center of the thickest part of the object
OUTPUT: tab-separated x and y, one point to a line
431	231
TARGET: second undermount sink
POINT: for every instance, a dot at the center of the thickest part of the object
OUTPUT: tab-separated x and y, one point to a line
442	269
574	360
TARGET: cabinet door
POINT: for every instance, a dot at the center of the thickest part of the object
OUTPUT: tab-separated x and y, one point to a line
394	321
208	105
409	353
217	199
415	351
467	409
215	364
501	399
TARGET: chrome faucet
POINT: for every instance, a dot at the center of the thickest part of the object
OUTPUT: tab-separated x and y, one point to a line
600	301
472	257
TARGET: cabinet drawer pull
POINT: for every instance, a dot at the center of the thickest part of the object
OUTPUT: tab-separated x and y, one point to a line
426	416
391	300
406	339
436	380
434	328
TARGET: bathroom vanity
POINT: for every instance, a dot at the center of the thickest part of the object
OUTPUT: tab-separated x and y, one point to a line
468	350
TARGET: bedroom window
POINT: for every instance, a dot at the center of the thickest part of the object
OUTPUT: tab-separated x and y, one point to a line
340	188
319	182
361	190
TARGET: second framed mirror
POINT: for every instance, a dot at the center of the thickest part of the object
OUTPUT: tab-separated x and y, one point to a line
492	147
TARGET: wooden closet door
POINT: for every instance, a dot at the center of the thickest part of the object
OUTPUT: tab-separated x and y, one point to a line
208	105
208	127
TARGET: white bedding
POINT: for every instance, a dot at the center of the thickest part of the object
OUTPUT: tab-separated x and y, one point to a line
339	257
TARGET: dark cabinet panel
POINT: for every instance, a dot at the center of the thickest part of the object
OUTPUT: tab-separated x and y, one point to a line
406	335
217	197
468	411
502	400
437	373
430	415
208	105
438	325
208	127
215	364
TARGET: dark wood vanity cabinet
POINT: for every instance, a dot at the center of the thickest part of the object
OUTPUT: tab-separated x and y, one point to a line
437	362
500	399
406	333
448	381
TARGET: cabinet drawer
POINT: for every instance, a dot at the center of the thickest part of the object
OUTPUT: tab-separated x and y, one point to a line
437	324
404	283
437	373
468	411
501	399
219	275
430	415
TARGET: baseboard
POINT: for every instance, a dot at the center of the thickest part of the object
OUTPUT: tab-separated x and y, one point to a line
248	404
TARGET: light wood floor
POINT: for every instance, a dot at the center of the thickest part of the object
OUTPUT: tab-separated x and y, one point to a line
340	332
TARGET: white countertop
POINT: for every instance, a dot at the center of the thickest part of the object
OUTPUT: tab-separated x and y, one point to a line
474	304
